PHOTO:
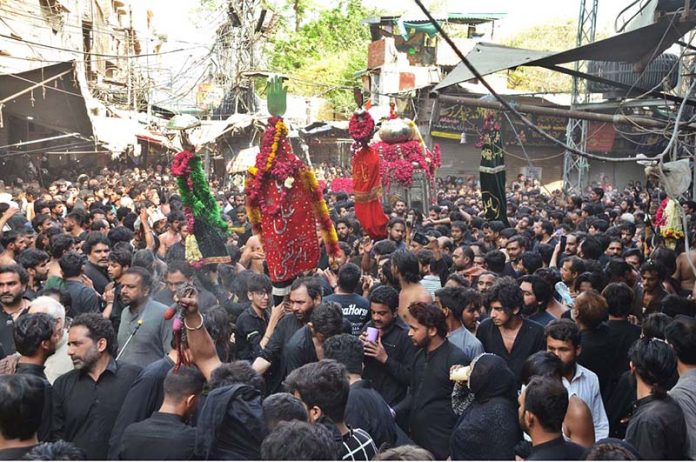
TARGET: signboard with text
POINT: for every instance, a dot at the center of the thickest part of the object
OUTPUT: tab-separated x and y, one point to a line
452	119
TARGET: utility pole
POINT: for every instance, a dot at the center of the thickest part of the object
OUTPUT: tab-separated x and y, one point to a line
237	51
575	167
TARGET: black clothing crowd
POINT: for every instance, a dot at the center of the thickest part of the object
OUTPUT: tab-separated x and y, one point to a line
568	333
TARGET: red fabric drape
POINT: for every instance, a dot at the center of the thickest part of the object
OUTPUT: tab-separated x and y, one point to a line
367	187
290	238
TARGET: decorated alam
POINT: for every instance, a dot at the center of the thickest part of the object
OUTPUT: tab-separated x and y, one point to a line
489	256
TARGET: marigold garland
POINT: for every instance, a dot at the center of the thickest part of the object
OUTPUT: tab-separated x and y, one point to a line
193	252
667	218
274	163
321	211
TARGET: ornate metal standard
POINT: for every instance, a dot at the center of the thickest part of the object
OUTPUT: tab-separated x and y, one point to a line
575	167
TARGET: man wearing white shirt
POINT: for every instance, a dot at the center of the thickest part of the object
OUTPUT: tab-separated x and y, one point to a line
563	340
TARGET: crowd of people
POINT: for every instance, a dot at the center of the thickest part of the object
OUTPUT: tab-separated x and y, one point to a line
566	332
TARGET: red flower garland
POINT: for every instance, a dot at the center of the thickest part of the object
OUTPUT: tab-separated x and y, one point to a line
361	126
397	161
181	166
283	166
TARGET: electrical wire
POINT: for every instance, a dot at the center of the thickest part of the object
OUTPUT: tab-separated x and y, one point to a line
103	55
640	10
517	113
40	21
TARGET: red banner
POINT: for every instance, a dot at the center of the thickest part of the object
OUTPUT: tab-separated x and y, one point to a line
367	187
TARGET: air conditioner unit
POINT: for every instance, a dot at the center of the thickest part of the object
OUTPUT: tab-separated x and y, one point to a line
664	67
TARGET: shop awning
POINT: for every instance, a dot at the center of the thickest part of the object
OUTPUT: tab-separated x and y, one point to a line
637	46
50	96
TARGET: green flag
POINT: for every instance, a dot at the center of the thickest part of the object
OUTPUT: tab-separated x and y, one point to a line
492	170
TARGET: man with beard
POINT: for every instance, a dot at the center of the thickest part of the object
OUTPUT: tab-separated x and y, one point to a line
563	340
428	404
13	284
485	281
506	333
515	247
537	295
406	269
175	220
543	407
86	400
453	301
396	229
399	209
305	294
180	273
74	225
12	245
36	263
144	336
463	263
97	249
344	231
388	359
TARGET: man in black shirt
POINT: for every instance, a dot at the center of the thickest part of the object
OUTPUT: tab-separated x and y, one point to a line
543	406
622	333
324	388
20	414
388	361
365	409
657	428
97	249
506	333
589	312
428	404
13	283
36	338
180	273
86	400
356	308
83	299
306	345
165	435
119	263
36	263
251	324
143	399
305	294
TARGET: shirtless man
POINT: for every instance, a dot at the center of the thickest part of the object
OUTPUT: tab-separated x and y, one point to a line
684	274
172	235
12	245
406	269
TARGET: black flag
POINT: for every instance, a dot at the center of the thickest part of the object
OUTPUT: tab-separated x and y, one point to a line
492	170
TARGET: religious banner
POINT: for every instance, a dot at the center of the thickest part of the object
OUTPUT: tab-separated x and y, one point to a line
284	201
492	170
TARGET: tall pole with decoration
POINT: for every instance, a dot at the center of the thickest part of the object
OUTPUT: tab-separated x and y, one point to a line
285	202
367	181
